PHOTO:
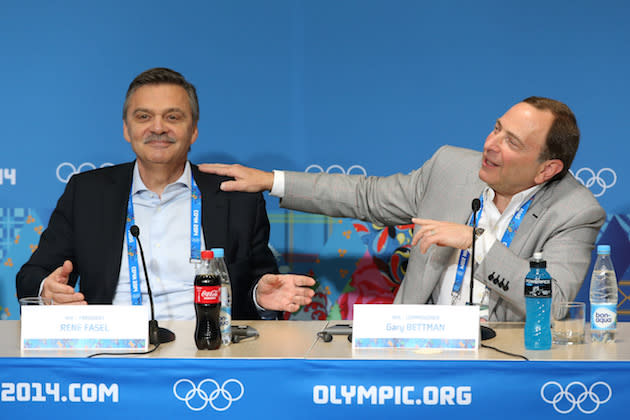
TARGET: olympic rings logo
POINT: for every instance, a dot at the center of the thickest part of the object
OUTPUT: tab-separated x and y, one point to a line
336	169
604	178
574	399
207	396
67	169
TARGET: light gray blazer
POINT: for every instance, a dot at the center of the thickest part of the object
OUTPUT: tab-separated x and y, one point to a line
562	222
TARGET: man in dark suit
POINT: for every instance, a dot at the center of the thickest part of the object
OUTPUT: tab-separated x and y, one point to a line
87	235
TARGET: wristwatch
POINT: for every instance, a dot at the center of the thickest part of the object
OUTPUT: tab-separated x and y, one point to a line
478	232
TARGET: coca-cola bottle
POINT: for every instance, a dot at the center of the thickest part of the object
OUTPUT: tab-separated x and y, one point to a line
207	303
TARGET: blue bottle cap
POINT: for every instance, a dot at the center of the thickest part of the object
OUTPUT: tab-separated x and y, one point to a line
603	249
218	252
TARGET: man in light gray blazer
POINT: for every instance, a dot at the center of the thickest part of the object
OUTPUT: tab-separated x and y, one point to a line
529	204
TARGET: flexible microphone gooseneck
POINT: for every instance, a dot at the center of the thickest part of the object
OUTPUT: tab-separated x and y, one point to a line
476	205
486	332
157	334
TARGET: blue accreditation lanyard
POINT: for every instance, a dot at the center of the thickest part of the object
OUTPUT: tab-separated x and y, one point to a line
132	251
464	255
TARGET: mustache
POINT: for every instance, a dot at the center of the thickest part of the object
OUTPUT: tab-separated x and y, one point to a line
158	137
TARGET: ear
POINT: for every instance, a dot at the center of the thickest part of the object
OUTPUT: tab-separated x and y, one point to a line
126	132
548	170
195	133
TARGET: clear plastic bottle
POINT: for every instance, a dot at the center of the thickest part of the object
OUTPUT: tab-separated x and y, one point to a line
538	305
603	297
225	318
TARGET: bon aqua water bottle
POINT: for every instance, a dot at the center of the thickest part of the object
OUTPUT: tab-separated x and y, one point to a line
225	317
603	297
538	305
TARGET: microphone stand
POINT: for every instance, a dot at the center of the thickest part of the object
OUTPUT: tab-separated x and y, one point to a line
157	334
486	332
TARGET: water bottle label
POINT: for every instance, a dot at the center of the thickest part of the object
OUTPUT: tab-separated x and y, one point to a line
225	324
225	319
226	296
603	316
537	288
207	295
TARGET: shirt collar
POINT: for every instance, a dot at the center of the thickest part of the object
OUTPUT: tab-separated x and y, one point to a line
137	185
517	199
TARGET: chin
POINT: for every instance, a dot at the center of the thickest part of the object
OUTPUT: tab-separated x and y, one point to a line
483	175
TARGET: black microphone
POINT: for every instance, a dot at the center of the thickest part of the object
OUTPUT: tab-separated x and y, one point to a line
157	335
241	332
486	332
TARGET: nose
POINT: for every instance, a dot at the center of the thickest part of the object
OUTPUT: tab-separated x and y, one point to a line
492	142
157	125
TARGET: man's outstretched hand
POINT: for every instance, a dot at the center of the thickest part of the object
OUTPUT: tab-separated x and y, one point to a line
56	287
434	232
245	179
284	292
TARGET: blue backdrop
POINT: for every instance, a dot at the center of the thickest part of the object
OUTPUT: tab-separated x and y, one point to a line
355	86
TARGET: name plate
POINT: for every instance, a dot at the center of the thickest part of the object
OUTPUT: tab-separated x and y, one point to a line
86	327
416	327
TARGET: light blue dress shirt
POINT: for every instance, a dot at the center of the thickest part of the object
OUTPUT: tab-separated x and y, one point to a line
164	224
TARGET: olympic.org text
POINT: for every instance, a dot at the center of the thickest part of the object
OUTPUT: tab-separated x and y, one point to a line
396	395
42	392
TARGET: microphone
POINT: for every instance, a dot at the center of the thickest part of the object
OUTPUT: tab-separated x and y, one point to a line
486	332
476	205
157	335
240	333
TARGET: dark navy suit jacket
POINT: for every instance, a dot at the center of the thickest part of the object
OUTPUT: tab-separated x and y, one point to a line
88	226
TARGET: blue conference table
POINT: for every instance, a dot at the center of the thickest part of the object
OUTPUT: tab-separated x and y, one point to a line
289	372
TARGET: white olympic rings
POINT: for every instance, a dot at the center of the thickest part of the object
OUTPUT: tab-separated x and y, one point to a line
208	397
338	168
576	400
74	170
597	178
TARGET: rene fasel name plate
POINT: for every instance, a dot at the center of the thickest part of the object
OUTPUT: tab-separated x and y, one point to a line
88	327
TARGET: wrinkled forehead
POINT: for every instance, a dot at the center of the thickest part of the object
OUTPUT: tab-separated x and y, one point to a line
530	124
159	93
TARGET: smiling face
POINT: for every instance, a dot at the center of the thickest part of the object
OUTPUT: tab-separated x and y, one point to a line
159	125
511	154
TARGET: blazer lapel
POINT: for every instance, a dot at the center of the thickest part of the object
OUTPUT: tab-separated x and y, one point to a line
214	209
534	213
115	197
469	188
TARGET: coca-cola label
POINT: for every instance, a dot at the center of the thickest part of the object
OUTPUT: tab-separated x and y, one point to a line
208	295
